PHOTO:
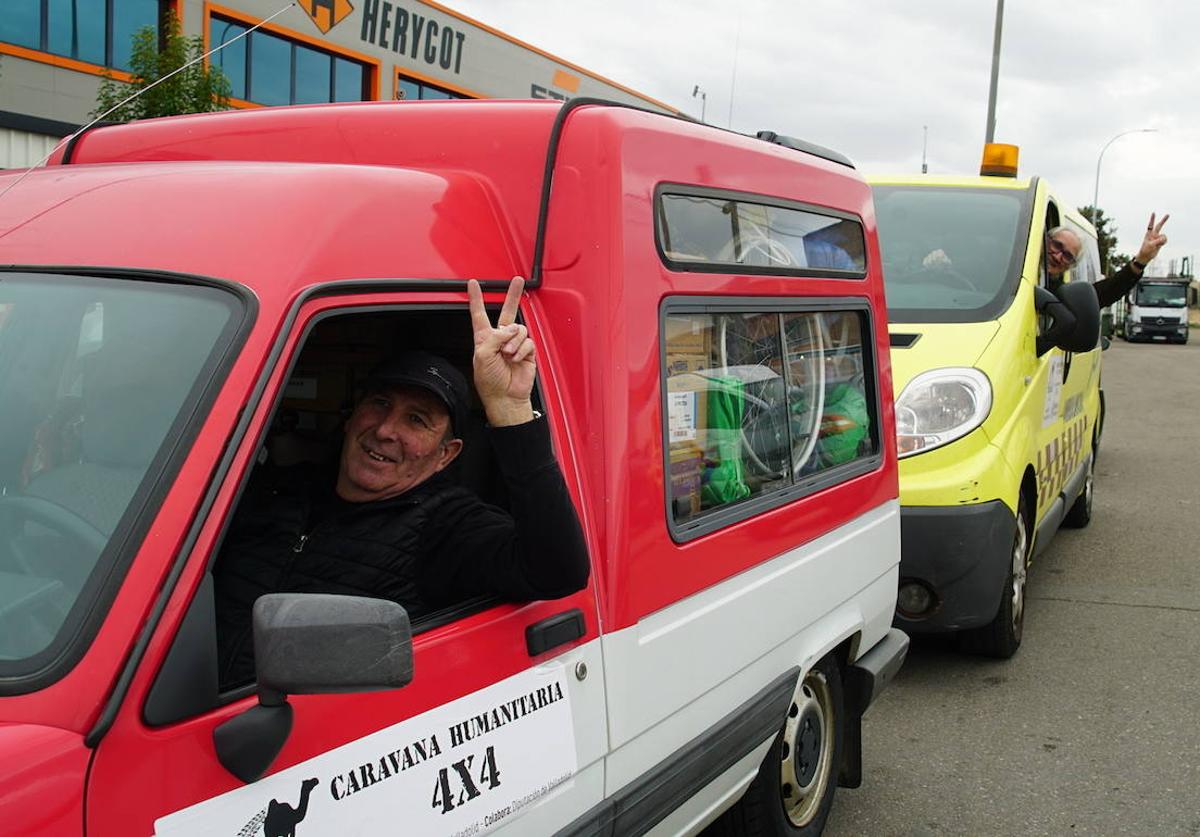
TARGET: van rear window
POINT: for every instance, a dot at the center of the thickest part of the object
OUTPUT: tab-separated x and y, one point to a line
705	230
761	402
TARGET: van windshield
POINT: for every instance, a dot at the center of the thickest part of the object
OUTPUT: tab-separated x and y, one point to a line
1173	295
949	254
94	374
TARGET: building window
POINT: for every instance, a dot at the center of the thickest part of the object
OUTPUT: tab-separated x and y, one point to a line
709	231
764	405
411	88
95	31
269	69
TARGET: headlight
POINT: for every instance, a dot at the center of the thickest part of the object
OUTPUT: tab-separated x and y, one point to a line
939	406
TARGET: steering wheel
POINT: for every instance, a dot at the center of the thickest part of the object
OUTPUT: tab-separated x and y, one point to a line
15	508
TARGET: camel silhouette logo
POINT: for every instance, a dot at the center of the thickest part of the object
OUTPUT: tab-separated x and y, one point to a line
280	819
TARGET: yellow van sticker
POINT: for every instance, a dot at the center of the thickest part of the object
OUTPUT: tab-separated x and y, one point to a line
461	768
1059	459
1073	406
1054	382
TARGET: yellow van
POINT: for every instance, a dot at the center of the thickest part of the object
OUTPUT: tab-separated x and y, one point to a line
998	404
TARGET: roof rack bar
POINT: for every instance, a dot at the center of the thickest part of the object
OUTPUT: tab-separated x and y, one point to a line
807	147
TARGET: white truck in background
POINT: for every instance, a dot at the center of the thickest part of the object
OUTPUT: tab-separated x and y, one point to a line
1156	309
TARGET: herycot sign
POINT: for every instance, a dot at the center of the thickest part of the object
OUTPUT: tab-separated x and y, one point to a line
456	770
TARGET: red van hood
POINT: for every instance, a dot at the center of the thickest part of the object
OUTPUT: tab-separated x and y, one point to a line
42	774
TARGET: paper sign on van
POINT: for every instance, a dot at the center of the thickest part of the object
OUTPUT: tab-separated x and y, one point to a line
457	769
681	416
1054	382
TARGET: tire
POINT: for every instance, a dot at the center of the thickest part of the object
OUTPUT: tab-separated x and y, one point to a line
1001	637
793	792
1080	513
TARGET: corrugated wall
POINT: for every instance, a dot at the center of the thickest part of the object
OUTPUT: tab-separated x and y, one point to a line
21	149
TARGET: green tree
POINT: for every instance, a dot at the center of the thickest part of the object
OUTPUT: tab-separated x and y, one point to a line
1118	261
1106	233
198	89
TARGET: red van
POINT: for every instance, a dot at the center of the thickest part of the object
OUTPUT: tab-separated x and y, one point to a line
188	302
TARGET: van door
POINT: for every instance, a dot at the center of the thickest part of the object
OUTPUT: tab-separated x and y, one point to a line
1065	378
486	733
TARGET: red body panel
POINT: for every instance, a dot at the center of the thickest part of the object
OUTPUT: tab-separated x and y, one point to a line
611	361
42	771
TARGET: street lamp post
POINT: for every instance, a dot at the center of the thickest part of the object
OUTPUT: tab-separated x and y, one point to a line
1100	159
696	91
1096	191
989	134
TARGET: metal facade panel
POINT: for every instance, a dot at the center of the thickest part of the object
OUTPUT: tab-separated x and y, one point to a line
22	149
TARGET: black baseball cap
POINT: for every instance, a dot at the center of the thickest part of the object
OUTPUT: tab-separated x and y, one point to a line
429	372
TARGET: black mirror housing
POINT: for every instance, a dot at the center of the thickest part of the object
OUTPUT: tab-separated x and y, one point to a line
1074	310
308	644
317	643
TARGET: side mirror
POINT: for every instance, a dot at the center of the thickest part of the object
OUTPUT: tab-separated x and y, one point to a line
307	644
1074	312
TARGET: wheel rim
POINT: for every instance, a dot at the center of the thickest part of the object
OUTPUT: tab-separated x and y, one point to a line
806	758
1019	571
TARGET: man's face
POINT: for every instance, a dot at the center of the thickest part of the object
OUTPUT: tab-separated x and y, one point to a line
1062	251
394	440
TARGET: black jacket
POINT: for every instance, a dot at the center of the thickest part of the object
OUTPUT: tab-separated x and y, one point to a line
1116	286
433	546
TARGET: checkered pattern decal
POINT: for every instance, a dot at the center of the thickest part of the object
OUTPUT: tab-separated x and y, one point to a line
1059	459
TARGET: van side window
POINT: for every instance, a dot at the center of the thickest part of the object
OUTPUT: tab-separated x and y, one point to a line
764	403
1052	221
1087	269
701	229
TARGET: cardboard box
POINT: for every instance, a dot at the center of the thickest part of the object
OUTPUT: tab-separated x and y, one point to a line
679	363
688	334
685	480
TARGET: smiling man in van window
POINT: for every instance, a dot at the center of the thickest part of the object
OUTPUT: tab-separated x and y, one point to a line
1063	248
392	523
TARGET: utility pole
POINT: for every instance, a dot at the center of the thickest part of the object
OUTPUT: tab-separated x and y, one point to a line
924	148
696	91
990	133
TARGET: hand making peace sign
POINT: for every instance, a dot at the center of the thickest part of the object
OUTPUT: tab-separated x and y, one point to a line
505	359
1153	240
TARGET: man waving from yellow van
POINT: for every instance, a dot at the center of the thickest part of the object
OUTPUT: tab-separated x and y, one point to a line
1063	247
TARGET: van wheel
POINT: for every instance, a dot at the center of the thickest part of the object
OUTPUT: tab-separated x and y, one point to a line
1002	636
1080	514
793	791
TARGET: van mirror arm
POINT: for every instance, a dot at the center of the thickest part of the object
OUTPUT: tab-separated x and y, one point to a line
1062	321
312	643
247	744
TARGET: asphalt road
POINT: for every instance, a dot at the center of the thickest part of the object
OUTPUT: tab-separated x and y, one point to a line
1094	726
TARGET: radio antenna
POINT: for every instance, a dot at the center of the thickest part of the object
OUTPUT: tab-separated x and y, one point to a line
147	88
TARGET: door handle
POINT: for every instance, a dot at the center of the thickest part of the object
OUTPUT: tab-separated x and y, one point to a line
554	631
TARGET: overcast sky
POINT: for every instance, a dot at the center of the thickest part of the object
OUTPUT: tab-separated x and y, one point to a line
864	77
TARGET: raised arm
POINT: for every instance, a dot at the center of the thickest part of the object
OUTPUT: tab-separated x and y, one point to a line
1116	286
537	549
505	361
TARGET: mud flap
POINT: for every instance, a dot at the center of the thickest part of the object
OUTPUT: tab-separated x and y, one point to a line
864	680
